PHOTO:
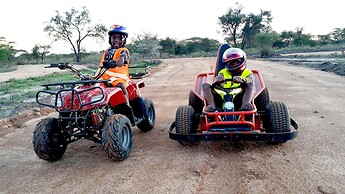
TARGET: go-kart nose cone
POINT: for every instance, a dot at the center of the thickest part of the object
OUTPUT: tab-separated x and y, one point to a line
228	105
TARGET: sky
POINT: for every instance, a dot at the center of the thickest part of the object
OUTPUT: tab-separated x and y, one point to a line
23	21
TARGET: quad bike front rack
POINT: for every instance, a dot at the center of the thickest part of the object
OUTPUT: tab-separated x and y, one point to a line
140	74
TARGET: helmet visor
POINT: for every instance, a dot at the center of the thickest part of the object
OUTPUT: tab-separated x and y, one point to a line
234	63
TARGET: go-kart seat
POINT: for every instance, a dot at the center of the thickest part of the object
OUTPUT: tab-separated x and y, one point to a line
219	63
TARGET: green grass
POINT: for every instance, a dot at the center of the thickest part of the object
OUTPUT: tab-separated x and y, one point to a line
7	68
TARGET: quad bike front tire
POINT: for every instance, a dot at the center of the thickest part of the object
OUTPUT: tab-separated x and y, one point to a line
185	123
149	116
117	137
48	141
277	120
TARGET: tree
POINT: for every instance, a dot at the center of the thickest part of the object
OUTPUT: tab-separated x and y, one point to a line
241	28
168	45
287	37
337	35
40	51
301	39
147	45
231	22
264	41
255	24
74	27
197	44
7	50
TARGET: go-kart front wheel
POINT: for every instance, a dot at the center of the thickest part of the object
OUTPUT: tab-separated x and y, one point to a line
185	122
277	120
117	137
48	141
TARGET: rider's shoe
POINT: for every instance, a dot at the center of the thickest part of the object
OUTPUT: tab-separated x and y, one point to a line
210	108
247	107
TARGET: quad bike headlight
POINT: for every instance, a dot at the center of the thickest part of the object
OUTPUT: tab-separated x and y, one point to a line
97	98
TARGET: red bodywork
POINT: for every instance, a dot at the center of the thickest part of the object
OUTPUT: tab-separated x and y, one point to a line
254	123
84	97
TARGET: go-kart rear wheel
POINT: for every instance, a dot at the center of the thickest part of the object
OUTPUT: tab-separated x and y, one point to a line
149	116
117	137
195	102
48	141
277	120
262	100
185	122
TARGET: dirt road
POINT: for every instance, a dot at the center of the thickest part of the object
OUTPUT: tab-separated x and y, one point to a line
314	162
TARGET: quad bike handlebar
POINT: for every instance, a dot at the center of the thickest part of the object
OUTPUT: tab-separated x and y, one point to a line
78	73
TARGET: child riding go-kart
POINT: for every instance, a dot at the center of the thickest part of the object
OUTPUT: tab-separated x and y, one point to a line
91	109
266	121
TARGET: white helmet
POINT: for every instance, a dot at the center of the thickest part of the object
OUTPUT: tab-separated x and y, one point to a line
235	60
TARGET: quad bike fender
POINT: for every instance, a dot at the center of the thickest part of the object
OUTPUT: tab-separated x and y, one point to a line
114	96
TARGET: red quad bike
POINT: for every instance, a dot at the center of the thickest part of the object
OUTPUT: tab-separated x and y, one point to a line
269	121
91	109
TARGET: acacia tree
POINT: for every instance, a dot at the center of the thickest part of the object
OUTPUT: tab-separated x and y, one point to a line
147	45
74	27
255	24
241	28
7	50
40	51
231	22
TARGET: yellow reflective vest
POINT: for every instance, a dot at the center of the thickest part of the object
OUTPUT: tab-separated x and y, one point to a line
245	73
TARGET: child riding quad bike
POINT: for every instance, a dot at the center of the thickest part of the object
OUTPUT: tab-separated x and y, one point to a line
91	109
268	120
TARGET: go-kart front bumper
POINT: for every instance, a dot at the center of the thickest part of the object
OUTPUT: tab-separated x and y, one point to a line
235	135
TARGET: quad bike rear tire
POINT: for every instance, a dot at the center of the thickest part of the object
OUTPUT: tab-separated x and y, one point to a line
48	141
117	137
149	116
277	120
185	122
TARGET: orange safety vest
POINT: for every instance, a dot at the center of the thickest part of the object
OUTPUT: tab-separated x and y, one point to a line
118	74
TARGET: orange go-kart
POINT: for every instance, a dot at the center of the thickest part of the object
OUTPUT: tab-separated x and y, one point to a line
269	121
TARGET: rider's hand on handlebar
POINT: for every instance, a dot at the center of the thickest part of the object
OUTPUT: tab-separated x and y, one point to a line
219	78
120	62
87	77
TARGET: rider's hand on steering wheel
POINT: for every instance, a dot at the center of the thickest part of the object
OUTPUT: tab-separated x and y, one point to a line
220	78
239	79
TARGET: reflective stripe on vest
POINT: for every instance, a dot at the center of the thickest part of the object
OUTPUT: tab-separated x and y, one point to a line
116	76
